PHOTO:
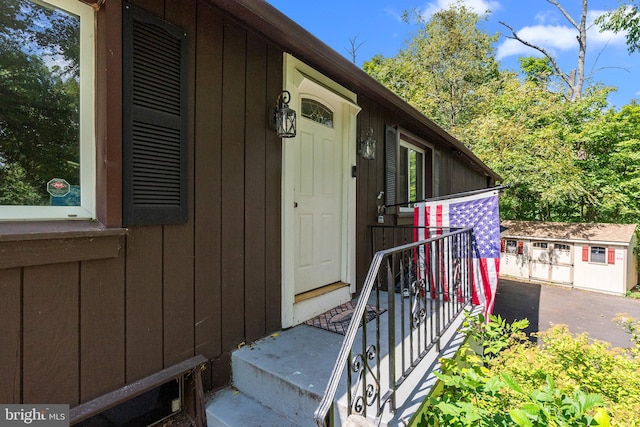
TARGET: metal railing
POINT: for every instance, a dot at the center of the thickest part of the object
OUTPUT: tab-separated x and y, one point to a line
412	294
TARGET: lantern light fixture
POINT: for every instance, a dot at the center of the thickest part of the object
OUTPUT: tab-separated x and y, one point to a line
284	117
367	147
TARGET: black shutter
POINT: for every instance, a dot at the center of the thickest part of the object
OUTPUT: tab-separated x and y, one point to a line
154	120
391	166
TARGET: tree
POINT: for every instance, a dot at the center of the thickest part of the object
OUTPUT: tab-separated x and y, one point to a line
536	70
531	136
566	158
39	124
574	79
39	101
354	45
446	70
57	35
611	162
626	18
15	188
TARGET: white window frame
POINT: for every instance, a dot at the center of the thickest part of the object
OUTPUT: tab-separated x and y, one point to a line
604	256
406	144
87	208
436	172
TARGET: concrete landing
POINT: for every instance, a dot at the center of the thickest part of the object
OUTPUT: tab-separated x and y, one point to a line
280	380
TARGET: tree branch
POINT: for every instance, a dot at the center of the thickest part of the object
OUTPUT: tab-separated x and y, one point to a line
353	49
564	12
554	63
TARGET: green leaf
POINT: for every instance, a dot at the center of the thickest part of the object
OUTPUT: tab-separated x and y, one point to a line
541	396
448	408
511	383
520	418
591	401
602	418
532	410
493	385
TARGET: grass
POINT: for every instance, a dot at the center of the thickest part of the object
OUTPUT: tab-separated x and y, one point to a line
634	292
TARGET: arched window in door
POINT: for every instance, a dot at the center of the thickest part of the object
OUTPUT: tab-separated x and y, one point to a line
316	111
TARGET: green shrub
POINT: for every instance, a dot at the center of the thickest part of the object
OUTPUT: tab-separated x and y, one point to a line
634	292
632	326
567	380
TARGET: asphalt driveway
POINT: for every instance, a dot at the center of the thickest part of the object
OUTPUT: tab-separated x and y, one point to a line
582	311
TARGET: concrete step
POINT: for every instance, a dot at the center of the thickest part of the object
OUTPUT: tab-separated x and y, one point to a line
280	379
231	408
288	372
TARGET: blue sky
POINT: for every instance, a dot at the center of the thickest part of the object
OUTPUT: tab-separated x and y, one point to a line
378	25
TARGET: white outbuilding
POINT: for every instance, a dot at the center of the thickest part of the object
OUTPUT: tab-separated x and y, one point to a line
593	256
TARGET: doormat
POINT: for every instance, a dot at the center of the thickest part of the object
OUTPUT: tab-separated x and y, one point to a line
337	319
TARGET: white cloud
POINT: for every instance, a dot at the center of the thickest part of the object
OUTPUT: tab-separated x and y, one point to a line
557	38
550	37
478	6
543	17
393	13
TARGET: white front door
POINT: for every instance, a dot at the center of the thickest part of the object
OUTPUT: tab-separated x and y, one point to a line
318	195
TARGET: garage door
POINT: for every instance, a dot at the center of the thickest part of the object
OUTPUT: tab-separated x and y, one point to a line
552	262
562	263
540	261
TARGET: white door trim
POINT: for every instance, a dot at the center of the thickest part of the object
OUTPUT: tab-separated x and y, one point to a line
299	78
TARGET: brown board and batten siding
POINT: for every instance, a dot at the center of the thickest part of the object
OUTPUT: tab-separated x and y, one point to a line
456	174
61	313
72	328
86	309
215	285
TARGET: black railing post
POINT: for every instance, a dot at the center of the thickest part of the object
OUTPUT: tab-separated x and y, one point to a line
379	352
392	333
438	284
365	365
349	381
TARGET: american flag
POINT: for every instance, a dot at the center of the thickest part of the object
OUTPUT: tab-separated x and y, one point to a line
479	211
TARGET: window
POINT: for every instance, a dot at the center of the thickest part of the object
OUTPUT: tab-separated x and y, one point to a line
540	245
410	173
512	246
561	247
408	169
313	110
598	254
47	142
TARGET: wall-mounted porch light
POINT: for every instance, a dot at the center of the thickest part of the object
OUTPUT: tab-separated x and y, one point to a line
367	146
284	117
